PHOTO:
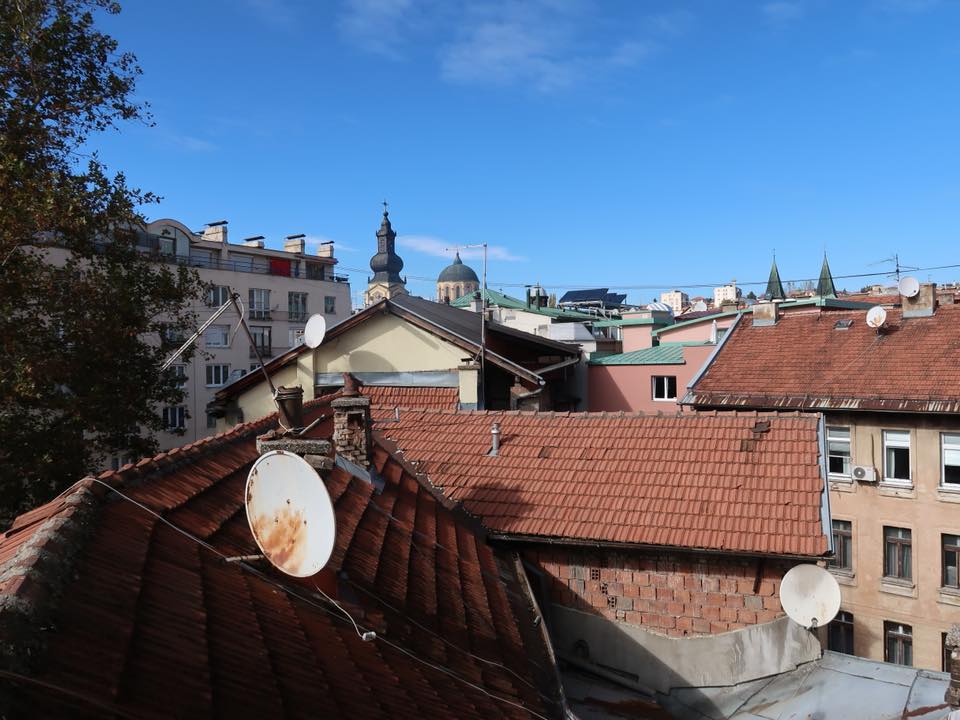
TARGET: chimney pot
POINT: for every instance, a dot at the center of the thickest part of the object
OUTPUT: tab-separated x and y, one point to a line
495	439
290	402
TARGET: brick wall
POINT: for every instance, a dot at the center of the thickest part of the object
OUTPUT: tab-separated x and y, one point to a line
672	594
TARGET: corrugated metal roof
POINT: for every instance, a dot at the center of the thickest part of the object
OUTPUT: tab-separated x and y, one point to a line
665	354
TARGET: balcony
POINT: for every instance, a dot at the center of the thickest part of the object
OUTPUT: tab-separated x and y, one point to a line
265	352
248	266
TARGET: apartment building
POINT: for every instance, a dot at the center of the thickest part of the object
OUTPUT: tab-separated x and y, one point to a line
890	403
726	293
676	299
279	290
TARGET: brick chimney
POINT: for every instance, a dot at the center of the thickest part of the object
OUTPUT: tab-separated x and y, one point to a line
351	423
952	696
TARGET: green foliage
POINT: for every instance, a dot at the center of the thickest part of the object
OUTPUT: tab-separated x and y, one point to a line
82	310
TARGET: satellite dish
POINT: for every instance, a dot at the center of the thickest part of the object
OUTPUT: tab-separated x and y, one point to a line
876	317
314	332
290	513
810	595
909	287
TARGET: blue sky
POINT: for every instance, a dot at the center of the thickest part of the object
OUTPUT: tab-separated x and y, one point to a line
589	143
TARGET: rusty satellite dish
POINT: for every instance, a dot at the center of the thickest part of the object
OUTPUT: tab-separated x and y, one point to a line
876	317
315	331
290	513
810	595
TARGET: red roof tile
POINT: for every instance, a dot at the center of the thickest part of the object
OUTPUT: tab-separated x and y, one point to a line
805	361
106	610
694	481
424	398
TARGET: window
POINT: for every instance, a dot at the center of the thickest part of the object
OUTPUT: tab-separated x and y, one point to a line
664	387
218	295
896	456
218	336
898	647
329	304
217	375
842	545
261	337
180	373
314	271
259	304
296	336
840	633
254	367
951	560
211	421
950	457
175	418
297	306
896	553
838	451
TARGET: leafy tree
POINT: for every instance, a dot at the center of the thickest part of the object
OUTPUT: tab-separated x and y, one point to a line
751	295
82	309
552	300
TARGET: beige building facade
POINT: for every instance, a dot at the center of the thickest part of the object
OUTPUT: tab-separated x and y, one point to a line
279	291
896	534
676	299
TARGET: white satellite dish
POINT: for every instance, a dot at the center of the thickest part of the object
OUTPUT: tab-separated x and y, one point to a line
876	317
810	595
909	287
315	331
290	513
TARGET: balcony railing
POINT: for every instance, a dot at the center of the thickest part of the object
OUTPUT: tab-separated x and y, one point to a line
304	273
265	352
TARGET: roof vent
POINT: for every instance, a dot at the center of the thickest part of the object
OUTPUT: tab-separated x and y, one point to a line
495	439
843	324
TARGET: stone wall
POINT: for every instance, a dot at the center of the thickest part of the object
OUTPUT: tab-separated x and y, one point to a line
673	594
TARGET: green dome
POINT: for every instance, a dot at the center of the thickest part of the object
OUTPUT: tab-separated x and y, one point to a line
457	272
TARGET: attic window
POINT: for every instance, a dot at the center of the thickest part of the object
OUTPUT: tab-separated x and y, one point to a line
843	324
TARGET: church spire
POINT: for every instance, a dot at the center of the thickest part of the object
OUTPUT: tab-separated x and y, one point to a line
774	286
386	264
825	287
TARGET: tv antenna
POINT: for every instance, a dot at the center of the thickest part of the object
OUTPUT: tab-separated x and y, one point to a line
290	514
898	268
483	319
810	595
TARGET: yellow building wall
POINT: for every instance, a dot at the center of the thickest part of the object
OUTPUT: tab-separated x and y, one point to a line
926	508
381	344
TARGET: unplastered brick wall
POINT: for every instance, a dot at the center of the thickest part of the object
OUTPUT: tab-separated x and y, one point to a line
668	593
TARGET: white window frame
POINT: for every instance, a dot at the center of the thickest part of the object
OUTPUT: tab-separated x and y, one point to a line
213	334
218	295
259	303
180	373
295	336
890	442
849	443
666	388
948	441
179	416
297	310
217	371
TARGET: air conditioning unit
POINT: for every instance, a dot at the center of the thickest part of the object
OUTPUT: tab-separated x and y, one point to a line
865	473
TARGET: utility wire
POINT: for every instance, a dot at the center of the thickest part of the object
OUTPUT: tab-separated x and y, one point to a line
290	591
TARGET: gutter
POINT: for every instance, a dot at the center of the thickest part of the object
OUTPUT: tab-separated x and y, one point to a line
688	398
615	545
557	366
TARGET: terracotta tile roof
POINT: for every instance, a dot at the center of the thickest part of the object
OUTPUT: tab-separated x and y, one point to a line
698	481
107	611
422	398
805	361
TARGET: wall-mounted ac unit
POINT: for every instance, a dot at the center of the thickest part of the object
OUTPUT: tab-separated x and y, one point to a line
865	473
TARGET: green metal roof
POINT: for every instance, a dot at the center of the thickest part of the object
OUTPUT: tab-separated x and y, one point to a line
499	299
631	321
665	354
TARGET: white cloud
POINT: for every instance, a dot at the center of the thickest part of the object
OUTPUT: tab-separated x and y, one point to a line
312	242
381	26
630	53
191	143
782	11
429	245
